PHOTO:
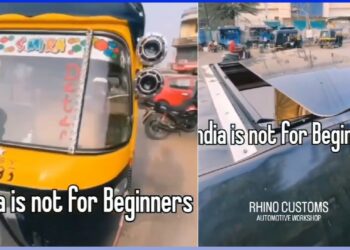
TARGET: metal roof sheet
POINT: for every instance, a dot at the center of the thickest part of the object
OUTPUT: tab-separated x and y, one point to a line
319	82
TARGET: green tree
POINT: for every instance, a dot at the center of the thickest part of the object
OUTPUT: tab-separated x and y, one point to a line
212	14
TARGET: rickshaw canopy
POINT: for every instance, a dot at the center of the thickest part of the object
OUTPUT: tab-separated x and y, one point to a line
132	12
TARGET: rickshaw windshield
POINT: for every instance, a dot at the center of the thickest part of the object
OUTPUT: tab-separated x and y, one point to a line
230	33
256	31
42	80
325	33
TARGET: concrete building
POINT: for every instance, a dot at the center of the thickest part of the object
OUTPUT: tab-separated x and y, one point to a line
286	12
267	11
336	9
300	15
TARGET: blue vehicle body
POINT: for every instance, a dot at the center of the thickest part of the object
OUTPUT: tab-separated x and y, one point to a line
259	34
229	33
202	37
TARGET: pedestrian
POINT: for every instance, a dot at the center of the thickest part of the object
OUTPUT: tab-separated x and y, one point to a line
232	46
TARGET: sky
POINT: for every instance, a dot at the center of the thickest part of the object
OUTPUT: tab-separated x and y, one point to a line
164	18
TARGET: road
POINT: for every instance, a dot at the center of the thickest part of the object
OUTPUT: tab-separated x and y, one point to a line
164	167
205	58
263	99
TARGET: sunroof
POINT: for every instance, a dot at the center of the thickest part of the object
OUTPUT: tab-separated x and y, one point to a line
320	83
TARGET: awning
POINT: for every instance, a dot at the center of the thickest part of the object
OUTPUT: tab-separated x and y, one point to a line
274	24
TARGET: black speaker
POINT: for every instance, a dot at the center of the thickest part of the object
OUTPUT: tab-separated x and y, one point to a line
149	82
151	49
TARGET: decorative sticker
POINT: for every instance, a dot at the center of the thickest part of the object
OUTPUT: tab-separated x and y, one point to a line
7	169
109	48
28	44
71	81
103	48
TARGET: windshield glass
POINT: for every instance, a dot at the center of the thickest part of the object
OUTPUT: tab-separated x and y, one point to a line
325	33
107	111
40	86
283	36
230	33
255	32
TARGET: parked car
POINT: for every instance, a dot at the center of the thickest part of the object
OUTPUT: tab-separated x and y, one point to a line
177	89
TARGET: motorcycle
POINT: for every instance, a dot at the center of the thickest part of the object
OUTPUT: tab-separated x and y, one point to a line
160	119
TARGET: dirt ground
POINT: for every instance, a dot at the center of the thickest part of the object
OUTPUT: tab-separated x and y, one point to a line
164	167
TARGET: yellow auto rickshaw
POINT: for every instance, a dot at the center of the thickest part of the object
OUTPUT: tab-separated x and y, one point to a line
68	112
332	38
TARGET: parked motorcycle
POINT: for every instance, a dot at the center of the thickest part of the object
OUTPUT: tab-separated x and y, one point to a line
160	119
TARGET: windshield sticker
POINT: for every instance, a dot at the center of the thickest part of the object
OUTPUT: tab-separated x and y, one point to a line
49	45
108	47
71	82
58	46
7	169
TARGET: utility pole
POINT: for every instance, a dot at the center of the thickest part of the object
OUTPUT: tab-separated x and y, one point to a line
206	14
208	22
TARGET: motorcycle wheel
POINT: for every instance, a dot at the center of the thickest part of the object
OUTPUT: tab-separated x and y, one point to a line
190	126
152	128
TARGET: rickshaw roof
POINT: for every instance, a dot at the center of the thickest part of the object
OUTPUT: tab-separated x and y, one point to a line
229	28
132	12
258	27
287	31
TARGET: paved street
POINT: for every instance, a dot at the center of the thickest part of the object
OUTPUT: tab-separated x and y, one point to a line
205	58
164	167
263	99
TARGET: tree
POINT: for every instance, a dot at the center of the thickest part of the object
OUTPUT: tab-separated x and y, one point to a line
232	10
213	13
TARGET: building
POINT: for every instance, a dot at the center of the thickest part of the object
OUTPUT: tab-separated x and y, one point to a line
303	16
336	9
267	11
287	12
186	44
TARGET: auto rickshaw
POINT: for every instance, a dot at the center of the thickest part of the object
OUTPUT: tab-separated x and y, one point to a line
287	38
331	38
259	35
227	34
68	112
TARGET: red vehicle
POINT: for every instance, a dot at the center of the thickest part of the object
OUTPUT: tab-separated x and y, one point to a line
177	89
